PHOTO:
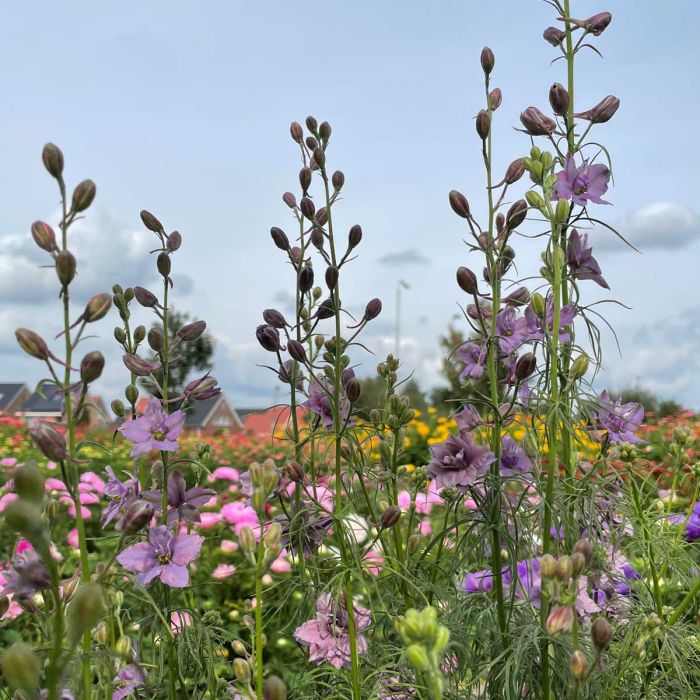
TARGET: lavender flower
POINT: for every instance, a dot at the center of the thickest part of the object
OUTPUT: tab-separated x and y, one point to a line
459	461
477	582
26	576
582	184
184	503
620	421
692	527
154	430
582	264
164	556
512	332
122	493
513	459
468	418
473	355
127	681
320	401
327	636
536	325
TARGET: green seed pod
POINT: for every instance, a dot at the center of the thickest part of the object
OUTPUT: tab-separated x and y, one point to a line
534	199
579	367
537	304
247	539
131	393
561	213
29	482
21	668
442	639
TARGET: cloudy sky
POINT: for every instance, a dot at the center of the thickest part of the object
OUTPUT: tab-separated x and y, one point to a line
183	108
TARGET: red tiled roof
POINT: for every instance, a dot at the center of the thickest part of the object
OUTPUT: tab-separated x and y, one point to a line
269	421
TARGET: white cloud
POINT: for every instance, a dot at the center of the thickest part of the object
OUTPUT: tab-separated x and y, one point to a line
659	225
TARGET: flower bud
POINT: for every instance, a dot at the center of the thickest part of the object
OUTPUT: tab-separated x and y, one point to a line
324	131
317	238
124	648
33	344
29	482
296	132
602	112
164	264
514	171
353	389
306	279
516	214
21	667
536	123
118	408
354	237
560	620
280	238
191	331
247	539
97	308
601	632
139	334
308	209
274	688
488	60
537	304
52	158
155	339
91	367
290	200
268	337
483	124
418	657
586	548
138	366
241	669
83	195
548	566
459	204
145	297
495	99
579	367
174	241
51	443
519	297
319	157
338	180
373	309
559	99
203	388
137	516
561	212
86	608
596	24
65	267
294	471
131	394
578	665
151	222
44	236
332	274
565	568
390	517
467	281
525	366
554	36
296	350
24	517
534	199
312	124
274	318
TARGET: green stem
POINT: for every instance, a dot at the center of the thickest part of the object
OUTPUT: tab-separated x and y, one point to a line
259	682
684	604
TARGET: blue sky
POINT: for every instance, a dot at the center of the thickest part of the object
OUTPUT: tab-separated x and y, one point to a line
183	108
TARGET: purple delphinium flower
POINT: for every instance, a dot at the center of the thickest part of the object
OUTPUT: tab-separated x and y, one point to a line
127	681
183	503
526	582
122	493
620	421
477	582
473	355
320	401
512	331
154	430
468	418
582	264
513	458
536	326
26	575
164	556
458	461
327	636
582	184
692	527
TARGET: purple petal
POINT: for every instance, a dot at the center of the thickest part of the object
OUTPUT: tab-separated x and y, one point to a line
139	557
175	576
186	548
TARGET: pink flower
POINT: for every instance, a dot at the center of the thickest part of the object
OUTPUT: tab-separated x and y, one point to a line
240	515
179	620
94	481
281	565
209	520
224	474
228	546
51	465
7	498
54	485
373	561
223	571
8	461
327	635
426	528
72	539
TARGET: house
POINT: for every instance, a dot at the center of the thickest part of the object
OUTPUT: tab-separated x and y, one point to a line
270	421
12	397
207	416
